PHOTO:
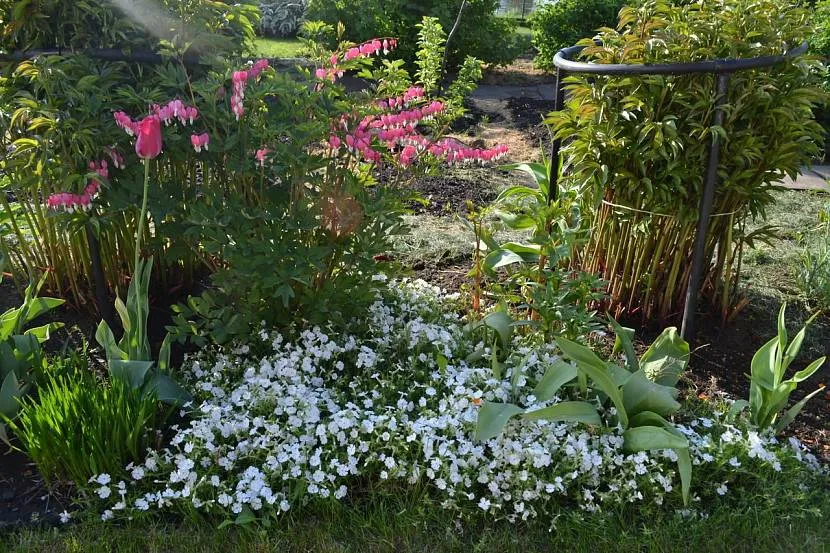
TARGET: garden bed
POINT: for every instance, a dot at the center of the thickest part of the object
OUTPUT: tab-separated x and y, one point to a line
718	364
485	404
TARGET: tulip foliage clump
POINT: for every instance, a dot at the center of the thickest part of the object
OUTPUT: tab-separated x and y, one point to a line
639	144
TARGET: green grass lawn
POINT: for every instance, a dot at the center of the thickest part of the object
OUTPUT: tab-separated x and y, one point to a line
277	47
524	31
397	527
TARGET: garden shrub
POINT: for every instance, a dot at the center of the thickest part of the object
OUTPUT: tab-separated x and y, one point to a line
557	25
637	146
315	222
480	34
270	168
57	111
820	36
314	415
195	26
281	18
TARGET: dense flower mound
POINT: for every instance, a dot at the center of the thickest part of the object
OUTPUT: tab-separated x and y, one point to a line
319	415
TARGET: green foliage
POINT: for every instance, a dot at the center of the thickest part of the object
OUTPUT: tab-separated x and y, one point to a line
642	403
637	145
78	426
768	391
281	18
58	114
432	45
130	360
820	38
480	34
813	271
21	358
539	279
643	394
184	26
561	24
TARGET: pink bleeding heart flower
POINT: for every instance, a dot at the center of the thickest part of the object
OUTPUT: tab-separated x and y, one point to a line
125	122
260	156
200	141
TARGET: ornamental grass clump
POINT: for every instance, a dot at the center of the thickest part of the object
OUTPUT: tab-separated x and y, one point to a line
639	144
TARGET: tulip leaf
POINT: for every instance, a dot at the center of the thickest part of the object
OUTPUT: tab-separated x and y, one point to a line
492	417
793	411
567	411
597	371
10	394
666	358
641	394
556	376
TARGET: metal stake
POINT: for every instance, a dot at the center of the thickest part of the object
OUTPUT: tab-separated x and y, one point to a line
709	184
558	103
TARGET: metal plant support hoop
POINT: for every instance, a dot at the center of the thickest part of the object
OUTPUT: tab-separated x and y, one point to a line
722	69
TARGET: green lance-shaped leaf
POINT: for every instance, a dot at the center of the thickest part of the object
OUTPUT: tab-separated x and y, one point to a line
641	394
598	372
537	171
792	412
106	339
649	438
10	394
666	358
567	411
646	438
623	341
763	365
499	321
556	376
167	390
808	371
132	373
501	258
42	333
492	417
39	306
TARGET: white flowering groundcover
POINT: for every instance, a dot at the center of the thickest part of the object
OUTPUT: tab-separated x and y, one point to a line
278	423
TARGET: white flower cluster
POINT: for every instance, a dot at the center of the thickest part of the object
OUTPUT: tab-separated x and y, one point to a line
398	402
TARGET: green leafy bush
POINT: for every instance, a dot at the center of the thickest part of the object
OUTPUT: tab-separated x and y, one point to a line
21	357
78	427
820	37
534	275
637	146
281	18
193	26
480	34
561	24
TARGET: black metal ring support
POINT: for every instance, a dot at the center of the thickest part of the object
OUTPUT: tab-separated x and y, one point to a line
563	60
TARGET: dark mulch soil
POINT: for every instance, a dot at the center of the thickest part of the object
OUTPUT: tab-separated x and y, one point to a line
450	275
474	116
449	194
23	496
527	114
